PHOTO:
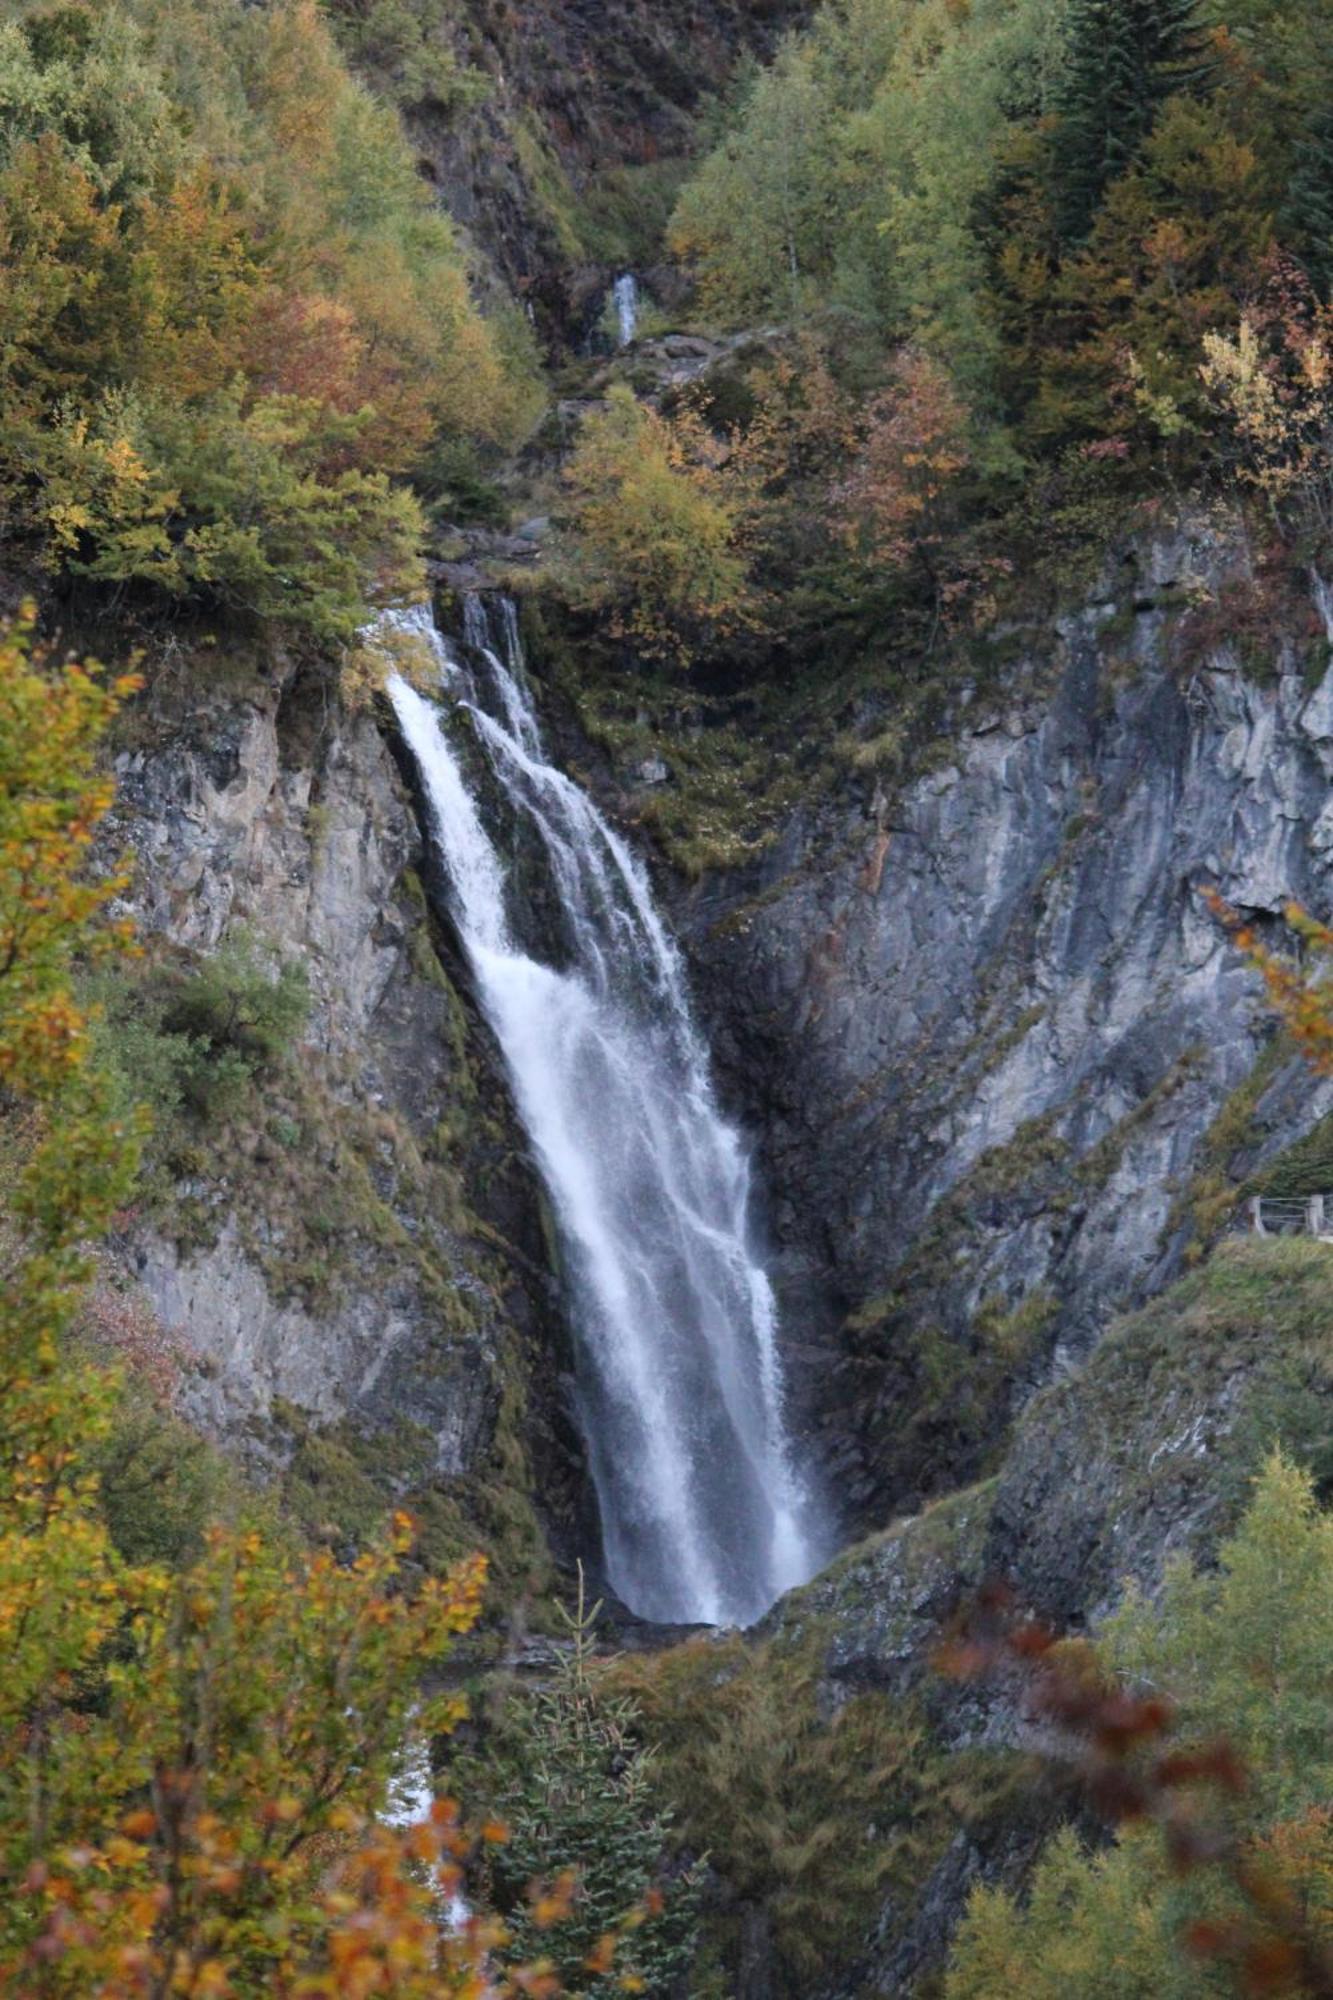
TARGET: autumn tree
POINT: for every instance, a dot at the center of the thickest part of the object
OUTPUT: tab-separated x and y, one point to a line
233	321
70	1163
900	509
1178	242
655	528
194	1764
1298	981
1270	383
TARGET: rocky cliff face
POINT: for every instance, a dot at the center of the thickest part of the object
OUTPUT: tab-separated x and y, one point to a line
1005	1073
1003	1062
367	1263
1003	1065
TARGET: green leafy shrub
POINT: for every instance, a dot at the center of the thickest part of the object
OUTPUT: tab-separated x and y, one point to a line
175	1041
238	1013
405	46
159	1483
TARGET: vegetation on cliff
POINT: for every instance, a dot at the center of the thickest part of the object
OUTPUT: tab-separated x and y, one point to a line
202	1719
235	324
1241	1653
177	1751
1026	267
1020	267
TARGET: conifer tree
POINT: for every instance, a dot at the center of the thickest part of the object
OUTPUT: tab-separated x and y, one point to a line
1307	213
1125	58
579	1792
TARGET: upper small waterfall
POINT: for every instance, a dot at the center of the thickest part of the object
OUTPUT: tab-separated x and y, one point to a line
625	293
703	1517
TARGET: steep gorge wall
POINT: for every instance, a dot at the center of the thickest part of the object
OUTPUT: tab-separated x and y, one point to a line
1000	1062
988	1031
1007	1078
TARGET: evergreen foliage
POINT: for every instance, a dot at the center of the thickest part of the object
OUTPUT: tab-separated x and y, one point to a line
1243	1651
1055	204
1126	57
235	1015
811	1817
1307	212
582	1788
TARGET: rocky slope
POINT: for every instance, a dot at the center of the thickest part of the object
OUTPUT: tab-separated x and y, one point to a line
565	166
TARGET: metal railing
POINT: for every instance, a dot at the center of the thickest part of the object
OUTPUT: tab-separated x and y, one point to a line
1296	1215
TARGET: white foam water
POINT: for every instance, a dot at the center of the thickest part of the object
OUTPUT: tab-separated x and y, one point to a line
675	1329
625	293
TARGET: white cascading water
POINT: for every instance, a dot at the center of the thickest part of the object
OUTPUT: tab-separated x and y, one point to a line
625	292
703	1517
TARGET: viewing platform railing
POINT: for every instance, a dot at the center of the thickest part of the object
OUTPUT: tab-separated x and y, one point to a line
1297	1215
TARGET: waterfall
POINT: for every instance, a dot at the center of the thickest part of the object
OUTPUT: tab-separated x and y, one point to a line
678	1377
625	292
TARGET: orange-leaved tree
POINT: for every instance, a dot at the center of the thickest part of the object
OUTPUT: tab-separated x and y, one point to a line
194	1766
900	509
1299	989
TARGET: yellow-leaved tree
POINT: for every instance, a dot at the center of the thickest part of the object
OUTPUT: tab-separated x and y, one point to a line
656	520
235	325
194	1764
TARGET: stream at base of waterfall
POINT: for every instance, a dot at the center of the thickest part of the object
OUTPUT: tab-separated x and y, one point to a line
704	1517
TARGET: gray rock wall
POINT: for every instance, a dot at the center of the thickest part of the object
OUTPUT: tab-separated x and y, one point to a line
983	1028
267	807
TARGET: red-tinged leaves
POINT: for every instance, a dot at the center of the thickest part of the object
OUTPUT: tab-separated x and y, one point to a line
1271	1965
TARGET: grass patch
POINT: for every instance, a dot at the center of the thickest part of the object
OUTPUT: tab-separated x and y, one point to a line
1209	1200
1303	1169
1249	1334
747	745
